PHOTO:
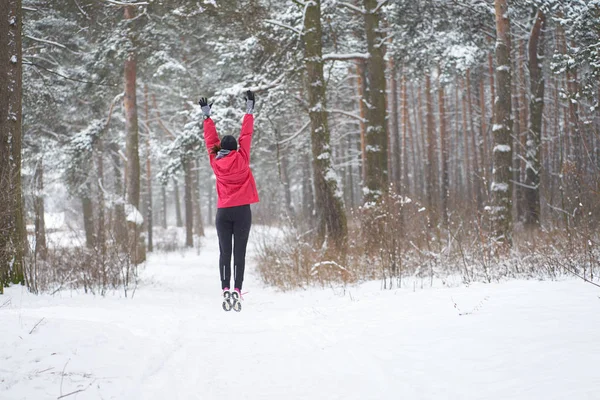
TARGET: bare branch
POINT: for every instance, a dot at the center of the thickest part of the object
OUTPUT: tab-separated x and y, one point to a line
77	391
81	9
62	376
234	91
277	23
66	77
62	46
288	139
347	113
35	326
353	7
381	4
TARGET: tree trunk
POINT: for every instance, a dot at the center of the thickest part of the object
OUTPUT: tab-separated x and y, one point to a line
534	136
501	186
395	128
360	83
178	217
484	147
376	135
432	179
198	225
210	205
189	203
407	137
458	167
5	198
524	115
13	237
133	157
163	211
516	163
444	153
119	224
38	200
467	148
331	218
476	170
350	173
282	163
88	217
492	86
421	142
101	231
149	219
306	188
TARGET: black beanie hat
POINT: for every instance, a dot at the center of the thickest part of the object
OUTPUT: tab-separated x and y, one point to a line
228	143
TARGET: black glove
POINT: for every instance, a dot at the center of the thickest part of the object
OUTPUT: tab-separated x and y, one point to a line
205	106
250	101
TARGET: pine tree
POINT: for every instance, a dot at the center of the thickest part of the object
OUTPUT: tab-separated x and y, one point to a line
534	134
502	129
331	218
12	223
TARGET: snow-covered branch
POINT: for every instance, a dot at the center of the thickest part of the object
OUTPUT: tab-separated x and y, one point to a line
122	3
352	7
239	89
521	184
62	46
345	57
381	4
64	76
348	114
292	137
277	23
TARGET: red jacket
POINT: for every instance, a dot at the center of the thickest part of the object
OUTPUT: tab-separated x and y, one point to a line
235	183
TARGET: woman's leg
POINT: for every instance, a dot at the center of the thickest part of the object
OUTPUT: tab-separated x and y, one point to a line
224	231
241	232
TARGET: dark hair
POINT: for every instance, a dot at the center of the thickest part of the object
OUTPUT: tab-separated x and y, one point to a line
215	149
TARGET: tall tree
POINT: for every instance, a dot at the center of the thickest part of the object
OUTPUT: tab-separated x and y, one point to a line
12	224
131	123
432	165
5	204
149	213
376	135
331	218
394	107
188	201
536	107
444	152
501	187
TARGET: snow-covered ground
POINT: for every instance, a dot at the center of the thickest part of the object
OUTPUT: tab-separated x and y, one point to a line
514	340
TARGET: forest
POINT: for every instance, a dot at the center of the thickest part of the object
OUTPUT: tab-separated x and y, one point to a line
393	138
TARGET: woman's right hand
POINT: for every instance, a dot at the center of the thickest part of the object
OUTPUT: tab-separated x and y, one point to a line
250	102
205	106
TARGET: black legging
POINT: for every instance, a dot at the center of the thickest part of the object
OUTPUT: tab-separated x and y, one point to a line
233	223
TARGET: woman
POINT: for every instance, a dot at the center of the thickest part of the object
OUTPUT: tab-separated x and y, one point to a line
236	190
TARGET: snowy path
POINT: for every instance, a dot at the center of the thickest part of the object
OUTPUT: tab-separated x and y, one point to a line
526	340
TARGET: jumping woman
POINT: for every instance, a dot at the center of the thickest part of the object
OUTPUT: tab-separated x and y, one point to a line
236	190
